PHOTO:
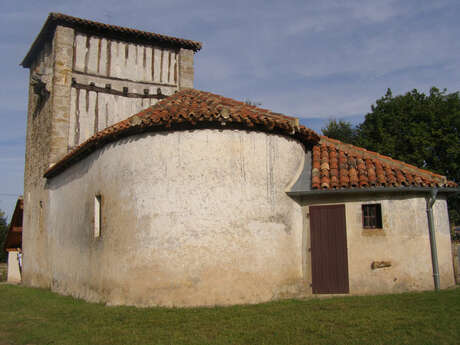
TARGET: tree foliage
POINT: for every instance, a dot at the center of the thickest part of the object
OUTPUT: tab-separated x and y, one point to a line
420	129
340	130
251	102
3	233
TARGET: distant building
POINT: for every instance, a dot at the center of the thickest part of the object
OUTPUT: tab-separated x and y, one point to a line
13	243
198	199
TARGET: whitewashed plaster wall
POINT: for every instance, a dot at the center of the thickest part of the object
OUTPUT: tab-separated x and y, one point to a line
188	218
403	241
92	111
140	69
104	57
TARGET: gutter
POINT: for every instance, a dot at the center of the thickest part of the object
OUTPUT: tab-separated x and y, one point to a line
434	252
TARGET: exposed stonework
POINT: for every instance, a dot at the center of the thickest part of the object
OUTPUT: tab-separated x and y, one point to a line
37	160
62	79
186	69
380	264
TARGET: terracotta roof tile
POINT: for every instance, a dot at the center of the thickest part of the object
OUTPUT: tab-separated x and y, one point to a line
190	109
359	168
118	32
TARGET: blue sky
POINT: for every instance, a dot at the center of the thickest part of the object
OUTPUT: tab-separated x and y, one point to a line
312	59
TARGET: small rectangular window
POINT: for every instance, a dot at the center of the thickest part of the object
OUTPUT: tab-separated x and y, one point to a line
97	216
372	216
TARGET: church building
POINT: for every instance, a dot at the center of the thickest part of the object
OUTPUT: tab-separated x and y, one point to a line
141	190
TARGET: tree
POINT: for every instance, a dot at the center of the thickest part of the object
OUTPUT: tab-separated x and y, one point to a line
340	130
423	130
251	102
3	233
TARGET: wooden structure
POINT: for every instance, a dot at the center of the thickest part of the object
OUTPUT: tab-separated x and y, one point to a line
329	249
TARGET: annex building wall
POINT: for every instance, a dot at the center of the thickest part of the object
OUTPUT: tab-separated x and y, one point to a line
396	257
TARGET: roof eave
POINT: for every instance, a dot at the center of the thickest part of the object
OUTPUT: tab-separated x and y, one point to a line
351	191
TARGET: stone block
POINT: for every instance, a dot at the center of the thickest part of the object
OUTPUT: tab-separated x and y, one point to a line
186	70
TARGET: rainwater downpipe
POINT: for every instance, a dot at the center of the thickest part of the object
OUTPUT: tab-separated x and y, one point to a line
434	252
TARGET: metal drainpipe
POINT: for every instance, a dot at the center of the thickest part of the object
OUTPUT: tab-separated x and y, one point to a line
434	253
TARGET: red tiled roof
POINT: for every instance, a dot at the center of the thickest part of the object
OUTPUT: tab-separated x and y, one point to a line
189	109
118	32
338	165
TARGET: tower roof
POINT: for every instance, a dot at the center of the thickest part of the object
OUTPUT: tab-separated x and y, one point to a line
105	30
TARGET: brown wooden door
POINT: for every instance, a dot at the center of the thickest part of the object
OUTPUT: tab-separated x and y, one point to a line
329	249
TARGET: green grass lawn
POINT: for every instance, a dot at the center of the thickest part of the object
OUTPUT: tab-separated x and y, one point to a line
3	271
35	316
